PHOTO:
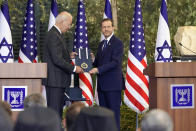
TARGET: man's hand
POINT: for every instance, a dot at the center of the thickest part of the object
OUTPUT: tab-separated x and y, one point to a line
94	71
73	54
79	69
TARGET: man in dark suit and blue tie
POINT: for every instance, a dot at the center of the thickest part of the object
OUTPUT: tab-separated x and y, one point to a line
57	57
108	67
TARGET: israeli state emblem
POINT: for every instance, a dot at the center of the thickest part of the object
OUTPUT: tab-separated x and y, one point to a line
14	95
182	96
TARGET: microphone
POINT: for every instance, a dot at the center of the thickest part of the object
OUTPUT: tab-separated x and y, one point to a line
187	48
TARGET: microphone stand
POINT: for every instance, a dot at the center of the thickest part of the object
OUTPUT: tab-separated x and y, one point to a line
187	48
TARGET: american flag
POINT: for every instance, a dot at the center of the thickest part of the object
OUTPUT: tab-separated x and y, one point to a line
81	41
6	47
163	50
53	14
136	95
28	50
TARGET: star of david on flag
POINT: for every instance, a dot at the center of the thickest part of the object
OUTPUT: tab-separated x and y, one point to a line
163	50
81	41
6	47
136	95
28	50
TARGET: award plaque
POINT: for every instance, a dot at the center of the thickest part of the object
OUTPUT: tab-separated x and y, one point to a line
83	59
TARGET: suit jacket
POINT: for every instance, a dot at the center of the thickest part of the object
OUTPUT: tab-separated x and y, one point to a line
57	57
109	64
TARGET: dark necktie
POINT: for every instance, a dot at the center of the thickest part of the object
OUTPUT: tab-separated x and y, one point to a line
104	44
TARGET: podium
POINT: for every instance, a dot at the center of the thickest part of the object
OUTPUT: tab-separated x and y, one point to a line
22	74
162	76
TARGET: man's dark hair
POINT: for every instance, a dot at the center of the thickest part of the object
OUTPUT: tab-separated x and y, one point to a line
35	99
107	19
38	119
72	113
95	118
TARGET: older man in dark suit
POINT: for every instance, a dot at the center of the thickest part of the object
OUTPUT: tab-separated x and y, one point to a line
57	57
108	63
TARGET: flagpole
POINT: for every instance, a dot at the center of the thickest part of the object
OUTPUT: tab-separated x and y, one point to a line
136	121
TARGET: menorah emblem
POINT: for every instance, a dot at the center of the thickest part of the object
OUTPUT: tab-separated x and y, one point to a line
182	93
15	95
182	96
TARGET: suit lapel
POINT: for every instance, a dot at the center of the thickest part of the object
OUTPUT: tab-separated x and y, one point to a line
108	46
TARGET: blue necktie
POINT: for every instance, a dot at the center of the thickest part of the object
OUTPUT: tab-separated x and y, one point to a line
104	44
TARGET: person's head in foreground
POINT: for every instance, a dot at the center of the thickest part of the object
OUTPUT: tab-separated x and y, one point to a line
156	120
95	119
38	119
5	120
35	99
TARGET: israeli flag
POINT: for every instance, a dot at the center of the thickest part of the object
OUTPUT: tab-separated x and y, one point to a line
6	47
53	14
163	50
108	10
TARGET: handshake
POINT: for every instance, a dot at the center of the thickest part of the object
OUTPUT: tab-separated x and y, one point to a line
92	71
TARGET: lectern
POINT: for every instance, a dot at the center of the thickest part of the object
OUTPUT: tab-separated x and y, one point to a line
28	75
172	89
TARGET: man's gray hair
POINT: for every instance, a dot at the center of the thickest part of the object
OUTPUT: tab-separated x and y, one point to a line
35	99
156	120
62	17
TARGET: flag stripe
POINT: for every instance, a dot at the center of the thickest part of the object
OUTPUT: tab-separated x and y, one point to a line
85	88
137	80
163	12
144	63
134	101
137	96
5	11
89	101
137	72
137	87
86	82
132	106
108	9
54	8
53	14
